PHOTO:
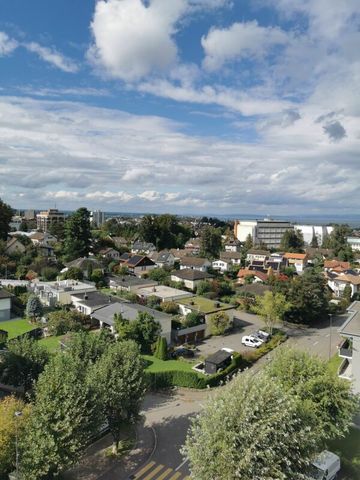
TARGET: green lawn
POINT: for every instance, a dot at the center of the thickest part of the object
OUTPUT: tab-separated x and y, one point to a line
17	327
334	363
204	305
156	365
51	343
348	449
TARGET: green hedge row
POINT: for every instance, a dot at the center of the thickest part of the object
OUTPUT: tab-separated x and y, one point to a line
159	380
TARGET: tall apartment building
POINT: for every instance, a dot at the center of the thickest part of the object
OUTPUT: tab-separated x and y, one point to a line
349	350
266	231
29	214
97	218
47	218
311	231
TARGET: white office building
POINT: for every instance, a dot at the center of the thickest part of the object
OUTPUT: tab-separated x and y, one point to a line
267	231
97	218
311	231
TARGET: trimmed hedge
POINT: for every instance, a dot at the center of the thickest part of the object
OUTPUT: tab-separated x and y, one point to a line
159	380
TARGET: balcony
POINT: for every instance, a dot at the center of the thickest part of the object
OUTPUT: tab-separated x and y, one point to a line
345	349
345	370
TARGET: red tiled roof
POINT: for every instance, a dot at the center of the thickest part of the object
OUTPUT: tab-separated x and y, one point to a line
295	256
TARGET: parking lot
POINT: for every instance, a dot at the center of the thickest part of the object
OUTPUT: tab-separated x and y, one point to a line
244	324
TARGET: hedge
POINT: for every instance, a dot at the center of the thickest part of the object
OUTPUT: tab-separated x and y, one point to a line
159	380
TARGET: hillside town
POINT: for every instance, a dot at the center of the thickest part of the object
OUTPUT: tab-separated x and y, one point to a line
203	300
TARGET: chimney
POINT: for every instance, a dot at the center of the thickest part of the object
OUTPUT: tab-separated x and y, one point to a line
85	296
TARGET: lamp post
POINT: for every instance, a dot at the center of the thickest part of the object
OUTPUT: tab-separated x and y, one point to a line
330	337
17	415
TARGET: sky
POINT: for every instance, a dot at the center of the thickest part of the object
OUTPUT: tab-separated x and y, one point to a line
181	106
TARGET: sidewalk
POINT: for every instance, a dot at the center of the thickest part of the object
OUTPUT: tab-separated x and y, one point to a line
94	465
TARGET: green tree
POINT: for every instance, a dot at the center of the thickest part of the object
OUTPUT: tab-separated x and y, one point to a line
49	273
77	240
161	349
310	379
337	241
98	277
292	241
203	287
119	379
314	242
219	323
89	348
272	307
159	275
6	214
192	319
210	242
248	245
148	330
73	273
62	321
34	308
64	416
252	429
11	425
172	308
164	231
23	362
347	294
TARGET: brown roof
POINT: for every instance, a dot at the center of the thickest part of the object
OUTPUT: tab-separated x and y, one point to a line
295	256
194	261
336	263
230	255
188	274
349	278
245	272
258	252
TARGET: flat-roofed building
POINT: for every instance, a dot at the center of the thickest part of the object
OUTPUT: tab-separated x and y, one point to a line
49	217
267	231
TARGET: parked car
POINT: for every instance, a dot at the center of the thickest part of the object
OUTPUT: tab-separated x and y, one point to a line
250	341
325	467
183	352
228	350
261	335
264	334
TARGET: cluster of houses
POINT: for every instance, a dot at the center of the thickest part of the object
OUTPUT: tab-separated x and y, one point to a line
43	241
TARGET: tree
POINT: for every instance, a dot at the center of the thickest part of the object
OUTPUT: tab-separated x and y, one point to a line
98	277
172	308
73	273
308	296
62	321
210	242
164	231
252	429
204	286
337	241
77	240
89	348
64	416
292	241
11	425
161	349
347	294
219	323
49	273
159	275
119	379
34	308
248	242
192	319
23	362
6	214
314	242
148	330
272	307
310	379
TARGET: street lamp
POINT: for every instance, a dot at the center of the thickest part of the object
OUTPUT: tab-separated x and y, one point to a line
17	415
330	337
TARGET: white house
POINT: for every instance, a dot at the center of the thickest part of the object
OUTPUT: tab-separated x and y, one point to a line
337	283
257	255
110	253
195	263
350	349
297	260
59	293
233	257
221	265
163	259
190	278
5	305
166	294
88	302
143	247
354	243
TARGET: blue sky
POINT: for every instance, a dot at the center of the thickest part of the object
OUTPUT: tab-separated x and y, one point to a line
185	106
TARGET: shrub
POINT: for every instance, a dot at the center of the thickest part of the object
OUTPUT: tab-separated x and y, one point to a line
171	308
161	348
192	319
219	323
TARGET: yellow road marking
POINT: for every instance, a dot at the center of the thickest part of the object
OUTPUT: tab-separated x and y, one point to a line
153	472
175	476
145	469
165	474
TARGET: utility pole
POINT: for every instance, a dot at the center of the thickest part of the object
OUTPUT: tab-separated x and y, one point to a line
17	415
330	337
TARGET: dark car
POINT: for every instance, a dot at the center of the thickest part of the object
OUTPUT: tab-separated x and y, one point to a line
183	352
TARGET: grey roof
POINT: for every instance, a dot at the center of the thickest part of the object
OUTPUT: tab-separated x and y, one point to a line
258	252
351	327
255	288
134	260
131	280
194	261
5	294
230	255
218	357
188	274
128	310
84	262
94	299
143	246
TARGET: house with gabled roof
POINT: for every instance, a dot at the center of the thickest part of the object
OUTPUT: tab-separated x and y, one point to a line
195	263
190	278
297	260
230	256
164	258
14	246
139	264
110	253
139	247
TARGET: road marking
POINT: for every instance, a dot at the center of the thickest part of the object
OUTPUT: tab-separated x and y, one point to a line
154	472
181	464
175	476
165	474
145	469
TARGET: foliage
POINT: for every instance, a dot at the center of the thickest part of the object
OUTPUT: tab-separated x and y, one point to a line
308	297
248	245
202	287
65	414
49	273
192	319
164	231
34	308
347	294
6	214
161	349
89	348
23	362
314	242
251	429
310	379
144	330
62	321
292	241
169	307
119	380
271	307
73	273
219	323
160	275
77	239
337	241
11	425
210	242
152	301
97	276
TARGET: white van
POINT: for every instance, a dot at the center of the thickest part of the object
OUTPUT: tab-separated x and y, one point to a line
325	467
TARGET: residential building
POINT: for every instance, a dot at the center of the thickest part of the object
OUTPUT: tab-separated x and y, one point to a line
110	253
120	242
49	217
257	255
354	243
5	305
86	264
164	293
233	257
190	278
195	263
221	265
320	232
97	218
29	214
138	264
296	260
42	238
130	283
256	276
337	282
217	361
232	245
163	259
193	246
130	311
59	293
88	302
179	253
336	265
143	247
267	231
15	222
349	350
14	246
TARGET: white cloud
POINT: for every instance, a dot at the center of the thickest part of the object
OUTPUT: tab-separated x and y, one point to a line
7	44
150	195
132	39
240	40
52	56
